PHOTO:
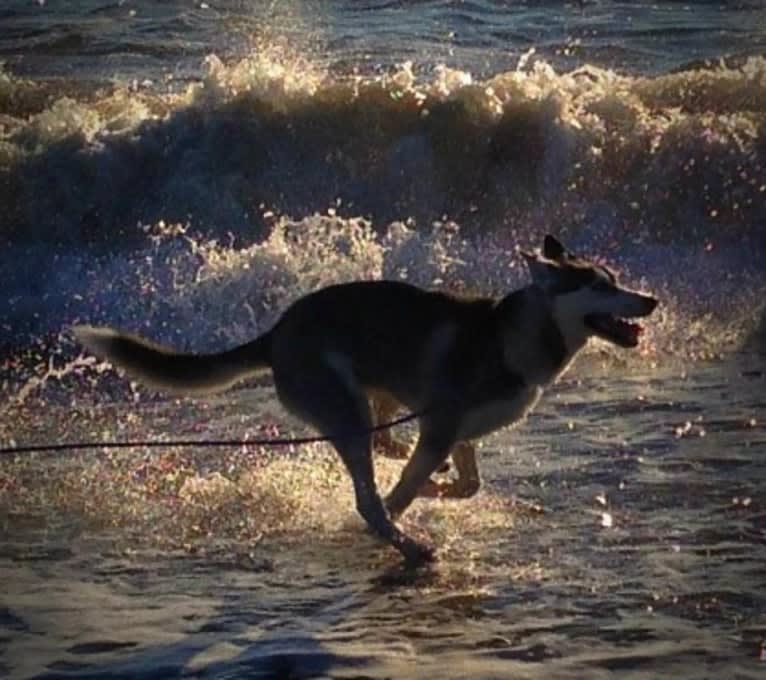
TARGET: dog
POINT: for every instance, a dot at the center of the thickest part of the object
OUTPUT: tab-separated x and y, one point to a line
349	355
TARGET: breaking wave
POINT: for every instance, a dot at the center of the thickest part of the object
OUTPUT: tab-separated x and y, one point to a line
197	214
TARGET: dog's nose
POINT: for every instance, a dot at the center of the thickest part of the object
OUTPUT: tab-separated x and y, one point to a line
650	303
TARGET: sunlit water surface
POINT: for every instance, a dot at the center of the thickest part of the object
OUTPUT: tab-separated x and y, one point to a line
621	529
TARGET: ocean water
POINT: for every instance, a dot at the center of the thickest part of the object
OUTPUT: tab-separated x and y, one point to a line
186	169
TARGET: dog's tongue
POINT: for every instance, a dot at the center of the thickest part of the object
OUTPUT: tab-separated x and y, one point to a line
632	330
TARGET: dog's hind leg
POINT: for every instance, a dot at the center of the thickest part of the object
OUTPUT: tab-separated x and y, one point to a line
466	484
385	407
331	401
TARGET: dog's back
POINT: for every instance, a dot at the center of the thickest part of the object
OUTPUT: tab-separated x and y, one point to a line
388	333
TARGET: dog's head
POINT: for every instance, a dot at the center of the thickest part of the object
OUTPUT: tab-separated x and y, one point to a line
586	298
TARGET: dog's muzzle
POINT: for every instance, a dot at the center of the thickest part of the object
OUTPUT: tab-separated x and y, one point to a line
617	329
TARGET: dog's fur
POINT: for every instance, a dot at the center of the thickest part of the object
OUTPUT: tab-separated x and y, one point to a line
468	366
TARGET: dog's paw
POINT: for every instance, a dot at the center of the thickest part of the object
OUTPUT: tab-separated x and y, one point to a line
417	554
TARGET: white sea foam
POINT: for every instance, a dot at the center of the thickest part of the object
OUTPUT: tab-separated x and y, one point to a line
270	177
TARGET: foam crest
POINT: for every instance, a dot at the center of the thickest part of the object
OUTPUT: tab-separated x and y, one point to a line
524	146
270	74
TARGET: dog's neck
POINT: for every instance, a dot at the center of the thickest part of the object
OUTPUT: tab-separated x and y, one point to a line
571	326
534	344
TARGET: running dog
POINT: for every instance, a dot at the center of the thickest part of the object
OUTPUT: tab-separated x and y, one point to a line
467	367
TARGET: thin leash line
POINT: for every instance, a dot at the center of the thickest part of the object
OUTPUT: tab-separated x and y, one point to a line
202	443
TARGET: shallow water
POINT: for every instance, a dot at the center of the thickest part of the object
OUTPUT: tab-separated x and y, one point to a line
621	530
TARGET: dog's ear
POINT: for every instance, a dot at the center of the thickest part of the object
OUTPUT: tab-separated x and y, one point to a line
543	272
553	248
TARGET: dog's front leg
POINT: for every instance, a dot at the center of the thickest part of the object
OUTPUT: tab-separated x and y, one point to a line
431	451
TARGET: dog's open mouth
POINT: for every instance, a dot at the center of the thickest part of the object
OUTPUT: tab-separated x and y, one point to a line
614	329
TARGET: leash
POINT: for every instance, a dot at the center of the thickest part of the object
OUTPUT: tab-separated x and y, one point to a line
202	443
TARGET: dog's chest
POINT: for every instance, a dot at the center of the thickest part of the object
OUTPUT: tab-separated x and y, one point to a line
493	414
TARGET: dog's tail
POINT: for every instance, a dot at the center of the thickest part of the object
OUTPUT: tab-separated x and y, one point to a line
170	371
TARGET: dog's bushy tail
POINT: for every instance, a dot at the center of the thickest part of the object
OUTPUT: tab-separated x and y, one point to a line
164	369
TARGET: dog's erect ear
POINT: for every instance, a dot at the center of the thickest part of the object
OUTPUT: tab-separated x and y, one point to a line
543	272
553	249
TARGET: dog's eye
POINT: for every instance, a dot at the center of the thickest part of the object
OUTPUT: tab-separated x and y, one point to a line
603	287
